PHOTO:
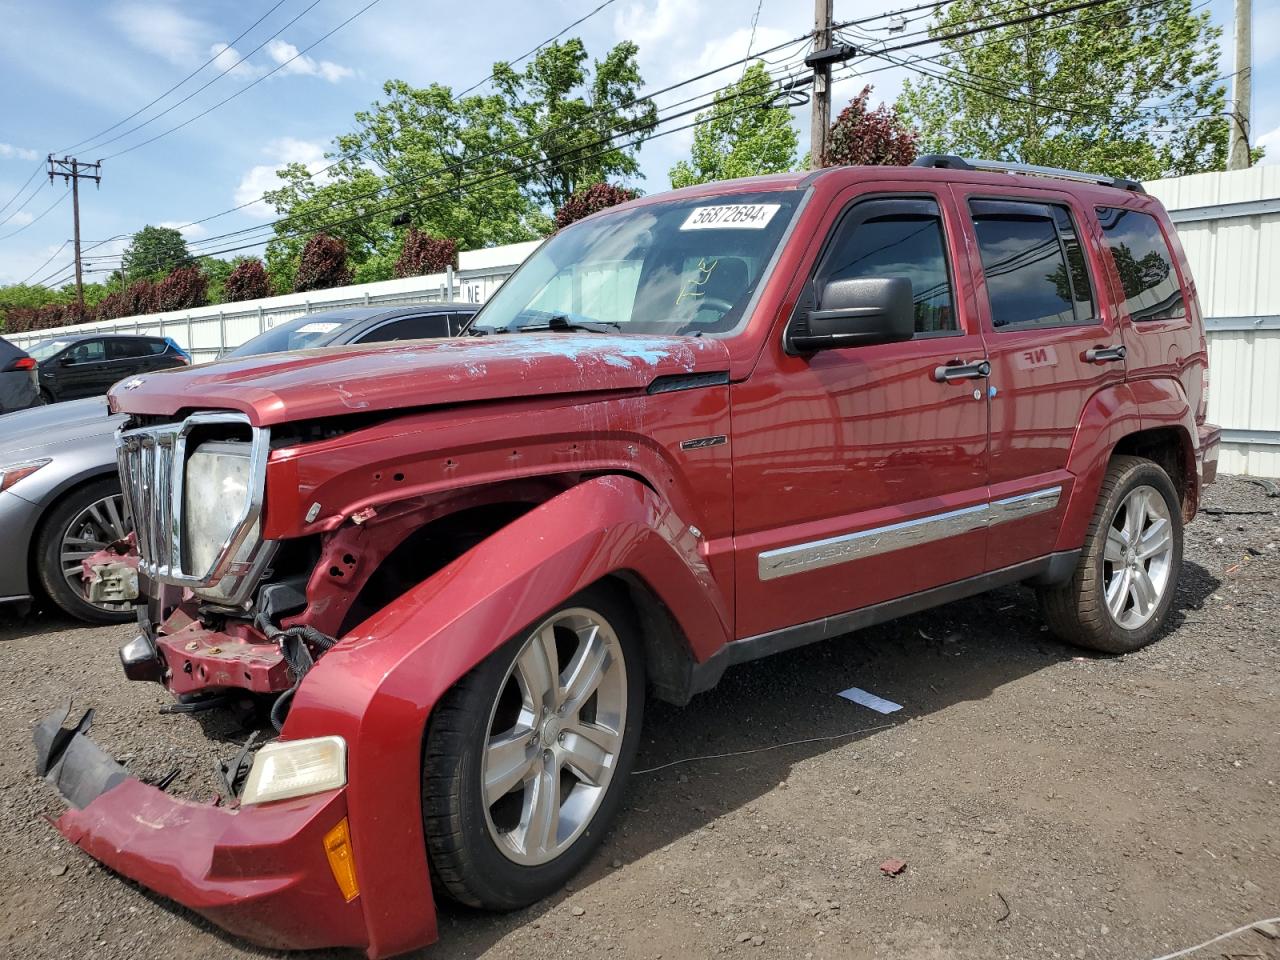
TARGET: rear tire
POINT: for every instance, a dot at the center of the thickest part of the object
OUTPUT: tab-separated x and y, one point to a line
83	522
1124	585
522	776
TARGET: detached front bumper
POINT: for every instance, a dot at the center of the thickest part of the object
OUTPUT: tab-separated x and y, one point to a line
260	872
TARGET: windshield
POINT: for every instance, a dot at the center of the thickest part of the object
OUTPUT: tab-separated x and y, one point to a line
297	334
682	267
47	348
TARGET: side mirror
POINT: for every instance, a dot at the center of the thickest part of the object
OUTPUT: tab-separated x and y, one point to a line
66	360
856	313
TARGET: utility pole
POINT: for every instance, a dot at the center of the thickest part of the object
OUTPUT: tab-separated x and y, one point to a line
820	118
825	53
73	171
1238	159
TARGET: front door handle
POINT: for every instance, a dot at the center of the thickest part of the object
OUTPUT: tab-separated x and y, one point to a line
1104	354
977	370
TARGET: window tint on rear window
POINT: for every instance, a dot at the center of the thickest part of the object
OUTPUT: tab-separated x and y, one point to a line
1144	263
126	349
1034	267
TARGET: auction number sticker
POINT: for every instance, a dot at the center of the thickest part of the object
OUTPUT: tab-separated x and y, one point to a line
731	216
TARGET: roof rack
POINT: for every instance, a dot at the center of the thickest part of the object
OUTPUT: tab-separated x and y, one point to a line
947	162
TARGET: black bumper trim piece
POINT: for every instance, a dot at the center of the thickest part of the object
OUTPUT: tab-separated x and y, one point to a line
73	763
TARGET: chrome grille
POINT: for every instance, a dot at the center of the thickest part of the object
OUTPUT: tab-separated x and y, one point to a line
151	463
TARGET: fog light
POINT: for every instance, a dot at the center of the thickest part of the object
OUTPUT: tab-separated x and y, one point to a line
337	847
296	768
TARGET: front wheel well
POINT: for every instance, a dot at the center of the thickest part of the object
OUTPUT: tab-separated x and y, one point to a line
1170	447
668	660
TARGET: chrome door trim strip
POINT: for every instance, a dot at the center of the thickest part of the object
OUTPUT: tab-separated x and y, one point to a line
816	554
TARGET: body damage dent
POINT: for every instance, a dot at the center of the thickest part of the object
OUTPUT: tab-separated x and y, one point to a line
376	688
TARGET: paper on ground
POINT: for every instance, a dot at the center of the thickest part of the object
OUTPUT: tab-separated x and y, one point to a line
879	704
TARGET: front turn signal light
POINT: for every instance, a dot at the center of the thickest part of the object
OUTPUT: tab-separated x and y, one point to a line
337	847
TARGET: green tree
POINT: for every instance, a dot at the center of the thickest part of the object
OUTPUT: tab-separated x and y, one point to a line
154	252
216	270
568	111
1122	88
746	132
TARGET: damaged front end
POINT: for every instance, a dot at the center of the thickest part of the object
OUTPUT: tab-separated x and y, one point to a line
274	867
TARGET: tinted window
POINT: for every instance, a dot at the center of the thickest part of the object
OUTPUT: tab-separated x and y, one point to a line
897	238
90	351
1144	263
1034	268
130	349
297	334
408	328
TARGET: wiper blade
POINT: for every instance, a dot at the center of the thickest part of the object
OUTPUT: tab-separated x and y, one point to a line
561	322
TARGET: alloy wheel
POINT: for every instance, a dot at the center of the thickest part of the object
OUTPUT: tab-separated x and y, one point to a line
94	528
554	736
1138	557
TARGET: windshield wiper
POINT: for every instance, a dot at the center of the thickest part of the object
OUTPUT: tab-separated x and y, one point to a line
560	321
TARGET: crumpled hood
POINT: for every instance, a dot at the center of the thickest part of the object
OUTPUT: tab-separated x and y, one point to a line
27	434
342	380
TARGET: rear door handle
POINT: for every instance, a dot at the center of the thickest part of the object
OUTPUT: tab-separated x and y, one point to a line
1104	354
977	370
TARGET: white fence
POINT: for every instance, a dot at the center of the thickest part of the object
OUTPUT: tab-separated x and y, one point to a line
1229	224
206	331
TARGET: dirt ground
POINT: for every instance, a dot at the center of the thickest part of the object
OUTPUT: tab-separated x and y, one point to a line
1048	803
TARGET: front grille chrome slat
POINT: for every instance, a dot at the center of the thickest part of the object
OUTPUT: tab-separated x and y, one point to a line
152	473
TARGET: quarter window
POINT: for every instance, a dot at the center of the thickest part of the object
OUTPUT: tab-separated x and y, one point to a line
1034	266
1145	265
897	238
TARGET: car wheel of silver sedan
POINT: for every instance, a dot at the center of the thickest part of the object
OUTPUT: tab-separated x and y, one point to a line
527	756
85	521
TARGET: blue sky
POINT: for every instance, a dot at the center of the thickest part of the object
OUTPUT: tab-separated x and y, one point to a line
70	69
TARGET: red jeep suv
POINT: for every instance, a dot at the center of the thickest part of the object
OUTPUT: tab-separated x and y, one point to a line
691	430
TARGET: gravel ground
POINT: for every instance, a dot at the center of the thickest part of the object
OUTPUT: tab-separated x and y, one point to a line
1047	803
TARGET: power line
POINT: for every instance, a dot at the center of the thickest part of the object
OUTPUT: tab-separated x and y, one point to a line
219	76
38	169
46	263
147	106
549	40
505	148
22	203
62	196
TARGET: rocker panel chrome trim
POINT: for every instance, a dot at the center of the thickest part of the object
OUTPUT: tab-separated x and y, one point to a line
816	554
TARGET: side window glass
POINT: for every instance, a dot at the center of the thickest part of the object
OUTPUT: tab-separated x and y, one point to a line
409	328
1033	265
91	351
126	349
897	238
1144	263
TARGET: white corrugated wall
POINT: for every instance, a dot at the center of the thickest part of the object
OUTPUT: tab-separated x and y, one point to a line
1229	224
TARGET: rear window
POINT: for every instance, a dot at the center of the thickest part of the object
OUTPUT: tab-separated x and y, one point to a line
1144	263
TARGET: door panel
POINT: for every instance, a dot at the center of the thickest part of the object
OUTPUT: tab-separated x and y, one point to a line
856	472
1034	257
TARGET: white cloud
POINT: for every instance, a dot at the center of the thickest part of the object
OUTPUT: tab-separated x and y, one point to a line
191	231
287	56
227	59
1270	140
258	179
161	30
21	218
8	151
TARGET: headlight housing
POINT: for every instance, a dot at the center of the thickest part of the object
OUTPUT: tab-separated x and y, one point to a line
13	472
296	768
216	495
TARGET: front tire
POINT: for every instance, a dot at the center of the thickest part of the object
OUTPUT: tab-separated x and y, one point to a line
1124	585
85	521
527	756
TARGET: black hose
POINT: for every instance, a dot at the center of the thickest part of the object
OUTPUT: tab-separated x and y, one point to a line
293	644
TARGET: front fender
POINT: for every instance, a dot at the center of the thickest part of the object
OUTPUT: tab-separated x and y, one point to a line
377	687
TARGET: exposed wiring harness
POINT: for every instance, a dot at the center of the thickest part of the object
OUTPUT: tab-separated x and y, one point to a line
293	644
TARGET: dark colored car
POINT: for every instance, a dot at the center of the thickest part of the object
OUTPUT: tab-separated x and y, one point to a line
87	366
18	387
699	428
59	487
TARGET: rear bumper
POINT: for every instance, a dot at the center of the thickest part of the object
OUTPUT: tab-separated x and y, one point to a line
259	872
1207	453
